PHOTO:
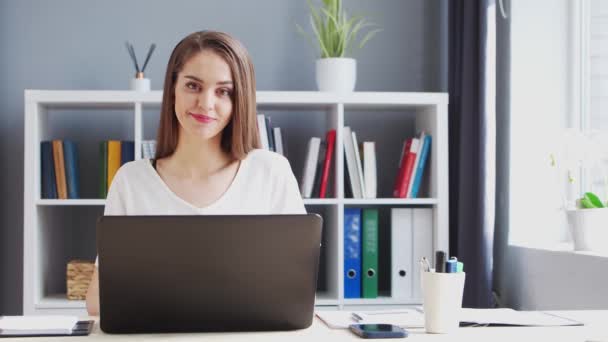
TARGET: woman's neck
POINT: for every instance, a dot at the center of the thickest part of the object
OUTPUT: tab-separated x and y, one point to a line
196	159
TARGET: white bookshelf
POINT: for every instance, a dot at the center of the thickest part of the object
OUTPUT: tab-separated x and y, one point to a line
45	246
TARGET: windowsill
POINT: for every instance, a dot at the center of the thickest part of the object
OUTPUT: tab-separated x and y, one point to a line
562	247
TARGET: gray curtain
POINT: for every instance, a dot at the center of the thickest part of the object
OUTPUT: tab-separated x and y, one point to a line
472	143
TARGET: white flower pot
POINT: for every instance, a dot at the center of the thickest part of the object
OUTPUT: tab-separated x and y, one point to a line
336	74
589	228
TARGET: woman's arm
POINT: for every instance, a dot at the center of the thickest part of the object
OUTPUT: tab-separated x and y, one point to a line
93	295
115	205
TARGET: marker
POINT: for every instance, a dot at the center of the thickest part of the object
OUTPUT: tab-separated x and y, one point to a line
450	265
459	267
440	262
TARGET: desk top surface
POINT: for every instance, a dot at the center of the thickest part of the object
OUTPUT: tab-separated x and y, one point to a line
595	329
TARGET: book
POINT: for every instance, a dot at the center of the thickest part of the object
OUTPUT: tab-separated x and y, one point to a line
329	152
262	132
113	160
37	325
278	140
72	173
103	169
369	247
269	131
49	186
416	162
369	169
127	152
360	175
424	155
310	167
351	164
62	190
401	167
408	166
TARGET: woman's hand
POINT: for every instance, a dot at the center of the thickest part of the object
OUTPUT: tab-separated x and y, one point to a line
93	295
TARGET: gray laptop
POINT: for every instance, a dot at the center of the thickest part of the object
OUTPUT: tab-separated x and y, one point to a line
207	273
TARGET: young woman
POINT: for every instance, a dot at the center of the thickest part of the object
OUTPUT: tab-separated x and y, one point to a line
207	160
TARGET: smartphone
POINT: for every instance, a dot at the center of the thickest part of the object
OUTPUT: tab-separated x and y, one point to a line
378	330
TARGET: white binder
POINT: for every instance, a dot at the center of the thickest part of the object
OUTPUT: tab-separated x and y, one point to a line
401	253
422	223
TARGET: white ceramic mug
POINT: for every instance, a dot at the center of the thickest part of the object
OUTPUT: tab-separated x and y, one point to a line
442	301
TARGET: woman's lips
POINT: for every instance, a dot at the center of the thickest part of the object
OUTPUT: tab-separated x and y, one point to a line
202	118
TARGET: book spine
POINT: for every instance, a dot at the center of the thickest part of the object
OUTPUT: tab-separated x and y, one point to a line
127	152
62	191
401	172
49	187
70	153
113	160
426	148
409	166
331	142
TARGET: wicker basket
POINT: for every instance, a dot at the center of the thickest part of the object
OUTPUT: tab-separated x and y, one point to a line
79	274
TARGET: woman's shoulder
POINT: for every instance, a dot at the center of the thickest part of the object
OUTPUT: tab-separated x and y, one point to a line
267	160
134	168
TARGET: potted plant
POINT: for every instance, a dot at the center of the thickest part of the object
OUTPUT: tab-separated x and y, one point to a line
335	34
588	214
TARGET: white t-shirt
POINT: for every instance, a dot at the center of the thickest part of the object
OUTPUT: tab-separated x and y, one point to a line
264	184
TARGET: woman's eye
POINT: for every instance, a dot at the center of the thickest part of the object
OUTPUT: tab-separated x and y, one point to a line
225	92
192	86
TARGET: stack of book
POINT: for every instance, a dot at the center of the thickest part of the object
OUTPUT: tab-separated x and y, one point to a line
414	155
271	137
60	171
361	172
113	154
317	166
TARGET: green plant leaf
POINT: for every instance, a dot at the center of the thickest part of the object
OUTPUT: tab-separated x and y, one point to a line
368	36
593	200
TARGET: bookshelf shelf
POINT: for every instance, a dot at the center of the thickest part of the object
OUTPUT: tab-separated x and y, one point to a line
56	231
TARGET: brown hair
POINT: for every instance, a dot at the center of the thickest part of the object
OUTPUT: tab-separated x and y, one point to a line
240	135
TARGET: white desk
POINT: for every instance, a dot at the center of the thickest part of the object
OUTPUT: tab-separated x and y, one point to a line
596	329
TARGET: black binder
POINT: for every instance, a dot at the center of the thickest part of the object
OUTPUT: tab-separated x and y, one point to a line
82	328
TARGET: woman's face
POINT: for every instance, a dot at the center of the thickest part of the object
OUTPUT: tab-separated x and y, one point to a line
203	96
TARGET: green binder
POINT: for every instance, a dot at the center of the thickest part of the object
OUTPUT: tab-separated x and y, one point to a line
370	253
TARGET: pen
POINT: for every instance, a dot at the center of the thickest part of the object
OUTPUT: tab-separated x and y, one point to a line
440	262
356	317
427	265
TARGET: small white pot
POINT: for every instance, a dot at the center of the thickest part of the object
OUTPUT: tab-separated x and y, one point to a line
140	84
589	228
336	74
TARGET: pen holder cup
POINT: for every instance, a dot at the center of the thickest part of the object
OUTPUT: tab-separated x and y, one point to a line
442	301
140	84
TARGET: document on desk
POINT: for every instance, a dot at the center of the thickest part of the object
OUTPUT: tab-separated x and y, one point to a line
37	325
510	317
405	318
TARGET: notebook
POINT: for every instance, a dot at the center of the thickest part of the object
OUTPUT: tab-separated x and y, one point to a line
11	326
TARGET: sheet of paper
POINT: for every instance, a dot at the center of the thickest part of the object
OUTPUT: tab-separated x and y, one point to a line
506	316
405	318
37	324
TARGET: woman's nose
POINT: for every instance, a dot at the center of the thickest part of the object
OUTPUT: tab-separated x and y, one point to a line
205	100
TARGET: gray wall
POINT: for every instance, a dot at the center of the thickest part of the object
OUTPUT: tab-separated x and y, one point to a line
76	44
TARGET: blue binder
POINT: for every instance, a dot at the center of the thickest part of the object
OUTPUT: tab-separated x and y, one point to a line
352	253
